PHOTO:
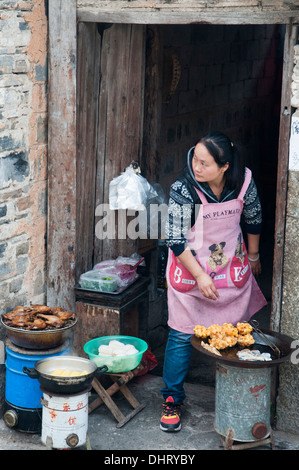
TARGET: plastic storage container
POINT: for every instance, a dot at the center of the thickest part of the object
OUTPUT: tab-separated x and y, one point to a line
121	267
97	280
116	364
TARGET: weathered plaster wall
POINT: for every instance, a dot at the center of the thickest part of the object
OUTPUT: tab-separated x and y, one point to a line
23	152
295	79
287	403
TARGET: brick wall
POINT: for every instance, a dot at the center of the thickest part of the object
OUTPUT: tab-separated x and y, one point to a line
23	152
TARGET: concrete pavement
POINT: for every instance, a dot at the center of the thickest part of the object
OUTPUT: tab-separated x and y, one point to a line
143	432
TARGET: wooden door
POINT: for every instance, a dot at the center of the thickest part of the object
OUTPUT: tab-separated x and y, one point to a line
109	129
120	122
88	78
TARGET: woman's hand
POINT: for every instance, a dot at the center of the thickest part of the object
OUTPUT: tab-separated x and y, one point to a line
256	267
206	286
204	281
253	253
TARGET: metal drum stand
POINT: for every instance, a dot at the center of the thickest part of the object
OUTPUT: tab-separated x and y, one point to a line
243	390
242	406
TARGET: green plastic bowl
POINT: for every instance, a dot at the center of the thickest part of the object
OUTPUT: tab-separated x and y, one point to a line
116	364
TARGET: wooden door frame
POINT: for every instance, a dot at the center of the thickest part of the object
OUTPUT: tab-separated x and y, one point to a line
62	154
62	199
282	174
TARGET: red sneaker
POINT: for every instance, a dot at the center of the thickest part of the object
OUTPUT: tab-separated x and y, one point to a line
170	420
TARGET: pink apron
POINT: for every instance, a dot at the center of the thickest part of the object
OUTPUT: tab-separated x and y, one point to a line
221	252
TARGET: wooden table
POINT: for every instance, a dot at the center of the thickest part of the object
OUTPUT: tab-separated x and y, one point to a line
101	314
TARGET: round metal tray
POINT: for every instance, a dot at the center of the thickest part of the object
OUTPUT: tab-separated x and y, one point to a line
229	355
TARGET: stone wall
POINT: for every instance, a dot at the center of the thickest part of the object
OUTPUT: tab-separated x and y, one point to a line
295	79
23	152
287	403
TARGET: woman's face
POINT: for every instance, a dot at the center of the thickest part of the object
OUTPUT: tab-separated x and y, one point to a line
205	168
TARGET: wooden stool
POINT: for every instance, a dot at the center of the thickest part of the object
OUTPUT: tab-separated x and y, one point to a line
105	395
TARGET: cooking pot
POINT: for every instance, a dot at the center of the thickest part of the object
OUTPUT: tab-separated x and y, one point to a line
38	339
44	368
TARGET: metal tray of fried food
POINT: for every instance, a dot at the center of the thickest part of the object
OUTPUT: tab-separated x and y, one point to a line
229	355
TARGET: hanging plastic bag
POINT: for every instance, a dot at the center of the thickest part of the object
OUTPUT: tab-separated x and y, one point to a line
157	213
130	190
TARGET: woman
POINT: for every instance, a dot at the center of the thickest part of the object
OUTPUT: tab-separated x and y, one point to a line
210	274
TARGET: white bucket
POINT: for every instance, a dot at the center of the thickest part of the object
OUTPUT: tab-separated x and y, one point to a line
64	420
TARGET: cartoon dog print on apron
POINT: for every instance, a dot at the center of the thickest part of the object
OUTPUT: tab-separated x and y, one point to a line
240	268
216	265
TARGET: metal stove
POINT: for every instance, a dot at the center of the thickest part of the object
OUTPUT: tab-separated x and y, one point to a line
242	405
243	391
65	419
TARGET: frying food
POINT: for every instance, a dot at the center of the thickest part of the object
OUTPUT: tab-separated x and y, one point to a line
201	331
210	348
68	373
38	317
245	340
229	329
215	330
244	328
226	335
222	342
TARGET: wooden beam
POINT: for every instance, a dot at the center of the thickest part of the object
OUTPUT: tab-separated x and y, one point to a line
61	153
282	175
169	13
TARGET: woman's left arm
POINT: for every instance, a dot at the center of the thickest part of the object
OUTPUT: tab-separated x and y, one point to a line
253	242
252	218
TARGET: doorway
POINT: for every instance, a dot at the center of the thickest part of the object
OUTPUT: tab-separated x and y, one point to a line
178	82
230	80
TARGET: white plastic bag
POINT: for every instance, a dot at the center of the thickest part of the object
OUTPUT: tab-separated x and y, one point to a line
130	191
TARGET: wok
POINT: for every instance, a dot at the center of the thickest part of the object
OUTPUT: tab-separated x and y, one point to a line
38	339
229	357
64	384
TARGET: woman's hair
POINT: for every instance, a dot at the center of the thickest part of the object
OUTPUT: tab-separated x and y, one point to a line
224	151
